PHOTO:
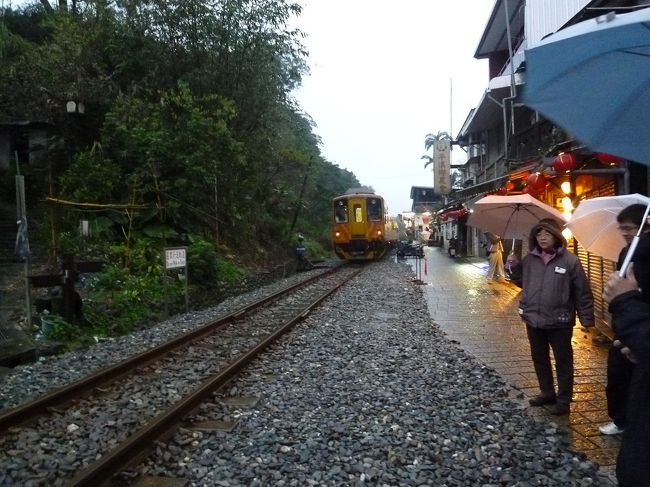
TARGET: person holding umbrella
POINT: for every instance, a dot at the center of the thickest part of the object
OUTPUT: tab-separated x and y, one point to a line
632	325
619	367
554	289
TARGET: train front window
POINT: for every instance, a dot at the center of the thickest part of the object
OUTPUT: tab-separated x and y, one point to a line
341	211
374	209
358	214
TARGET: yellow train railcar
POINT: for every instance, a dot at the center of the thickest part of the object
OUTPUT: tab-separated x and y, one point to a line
359	225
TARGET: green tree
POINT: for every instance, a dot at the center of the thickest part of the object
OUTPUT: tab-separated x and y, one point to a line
188	109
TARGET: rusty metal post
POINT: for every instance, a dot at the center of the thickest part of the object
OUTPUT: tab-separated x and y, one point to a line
21	208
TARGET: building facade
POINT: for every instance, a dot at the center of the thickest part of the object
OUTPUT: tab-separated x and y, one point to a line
509	145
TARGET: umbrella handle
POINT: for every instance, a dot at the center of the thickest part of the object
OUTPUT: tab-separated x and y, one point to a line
635	241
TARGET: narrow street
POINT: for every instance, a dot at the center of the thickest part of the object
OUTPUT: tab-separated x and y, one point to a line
482	317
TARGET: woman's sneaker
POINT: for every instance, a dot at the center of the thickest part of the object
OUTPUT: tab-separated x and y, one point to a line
610	429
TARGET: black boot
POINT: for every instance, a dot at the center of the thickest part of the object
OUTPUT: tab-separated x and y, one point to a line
541	400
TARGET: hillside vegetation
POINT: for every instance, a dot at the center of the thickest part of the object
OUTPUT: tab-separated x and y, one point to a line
182	132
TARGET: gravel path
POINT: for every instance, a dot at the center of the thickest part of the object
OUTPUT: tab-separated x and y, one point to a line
370	392
367	391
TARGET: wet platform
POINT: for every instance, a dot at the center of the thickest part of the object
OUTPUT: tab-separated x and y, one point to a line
482	317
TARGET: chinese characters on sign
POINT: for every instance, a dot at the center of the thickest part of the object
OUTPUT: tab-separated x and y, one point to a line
441	167
175	258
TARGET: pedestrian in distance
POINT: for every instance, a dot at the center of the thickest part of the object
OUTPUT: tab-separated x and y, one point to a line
554	290
631	321
619	367
303	262
496	268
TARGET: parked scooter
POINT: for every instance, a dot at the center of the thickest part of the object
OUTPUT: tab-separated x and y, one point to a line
409	248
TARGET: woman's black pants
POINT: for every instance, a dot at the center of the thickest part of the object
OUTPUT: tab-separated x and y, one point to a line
542	340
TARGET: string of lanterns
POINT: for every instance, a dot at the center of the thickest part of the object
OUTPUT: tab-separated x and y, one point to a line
564	162
535	183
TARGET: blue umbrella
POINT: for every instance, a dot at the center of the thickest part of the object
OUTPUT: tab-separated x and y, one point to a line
593	80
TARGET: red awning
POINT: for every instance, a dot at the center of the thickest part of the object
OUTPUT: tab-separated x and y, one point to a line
449	215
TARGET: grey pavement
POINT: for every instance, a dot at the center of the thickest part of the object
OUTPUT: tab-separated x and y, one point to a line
482	317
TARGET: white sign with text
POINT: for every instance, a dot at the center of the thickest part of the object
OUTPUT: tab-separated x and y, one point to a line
442	166
175	258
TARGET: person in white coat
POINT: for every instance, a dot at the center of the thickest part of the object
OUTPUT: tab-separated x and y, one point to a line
496	269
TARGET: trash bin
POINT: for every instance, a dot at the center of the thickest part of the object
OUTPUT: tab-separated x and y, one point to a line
47	325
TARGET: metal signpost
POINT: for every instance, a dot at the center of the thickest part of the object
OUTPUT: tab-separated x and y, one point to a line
22	242
176	258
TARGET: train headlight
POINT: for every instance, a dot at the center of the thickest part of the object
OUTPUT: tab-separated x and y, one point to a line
379	232
337	234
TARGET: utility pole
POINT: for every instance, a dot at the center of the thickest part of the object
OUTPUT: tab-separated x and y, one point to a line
451	105
22	239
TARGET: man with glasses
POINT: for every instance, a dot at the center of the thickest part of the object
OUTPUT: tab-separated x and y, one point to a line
619	367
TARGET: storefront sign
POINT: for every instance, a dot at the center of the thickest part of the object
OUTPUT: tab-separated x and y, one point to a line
442	167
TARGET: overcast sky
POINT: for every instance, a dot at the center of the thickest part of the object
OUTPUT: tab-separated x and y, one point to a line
380	81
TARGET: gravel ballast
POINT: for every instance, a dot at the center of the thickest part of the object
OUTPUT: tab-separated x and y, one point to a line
366	391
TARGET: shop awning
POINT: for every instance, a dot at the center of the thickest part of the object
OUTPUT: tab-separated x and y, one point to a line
480	188
452	214
469	204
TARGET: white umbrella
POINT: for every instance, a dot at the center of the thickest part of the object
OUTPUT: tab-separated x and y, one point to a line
594	224
511	216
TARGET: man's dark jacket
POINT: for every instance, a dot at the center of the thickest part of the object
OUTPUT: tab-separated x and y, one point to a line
632	327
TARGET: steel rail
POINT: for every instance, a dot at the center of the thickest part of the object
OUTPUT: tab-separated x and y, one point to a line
38	407
123	455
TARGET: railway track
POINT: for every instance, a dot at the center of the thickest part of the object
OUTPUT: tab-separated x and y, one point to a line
133	399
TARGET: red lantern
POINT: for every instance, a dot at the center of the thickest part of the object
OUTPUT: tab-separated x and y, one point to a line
565	161
609	159
510	186
536	182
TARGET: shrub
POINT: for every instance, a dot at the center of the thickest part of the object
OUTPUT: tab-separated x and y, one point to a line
229	272
202	261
